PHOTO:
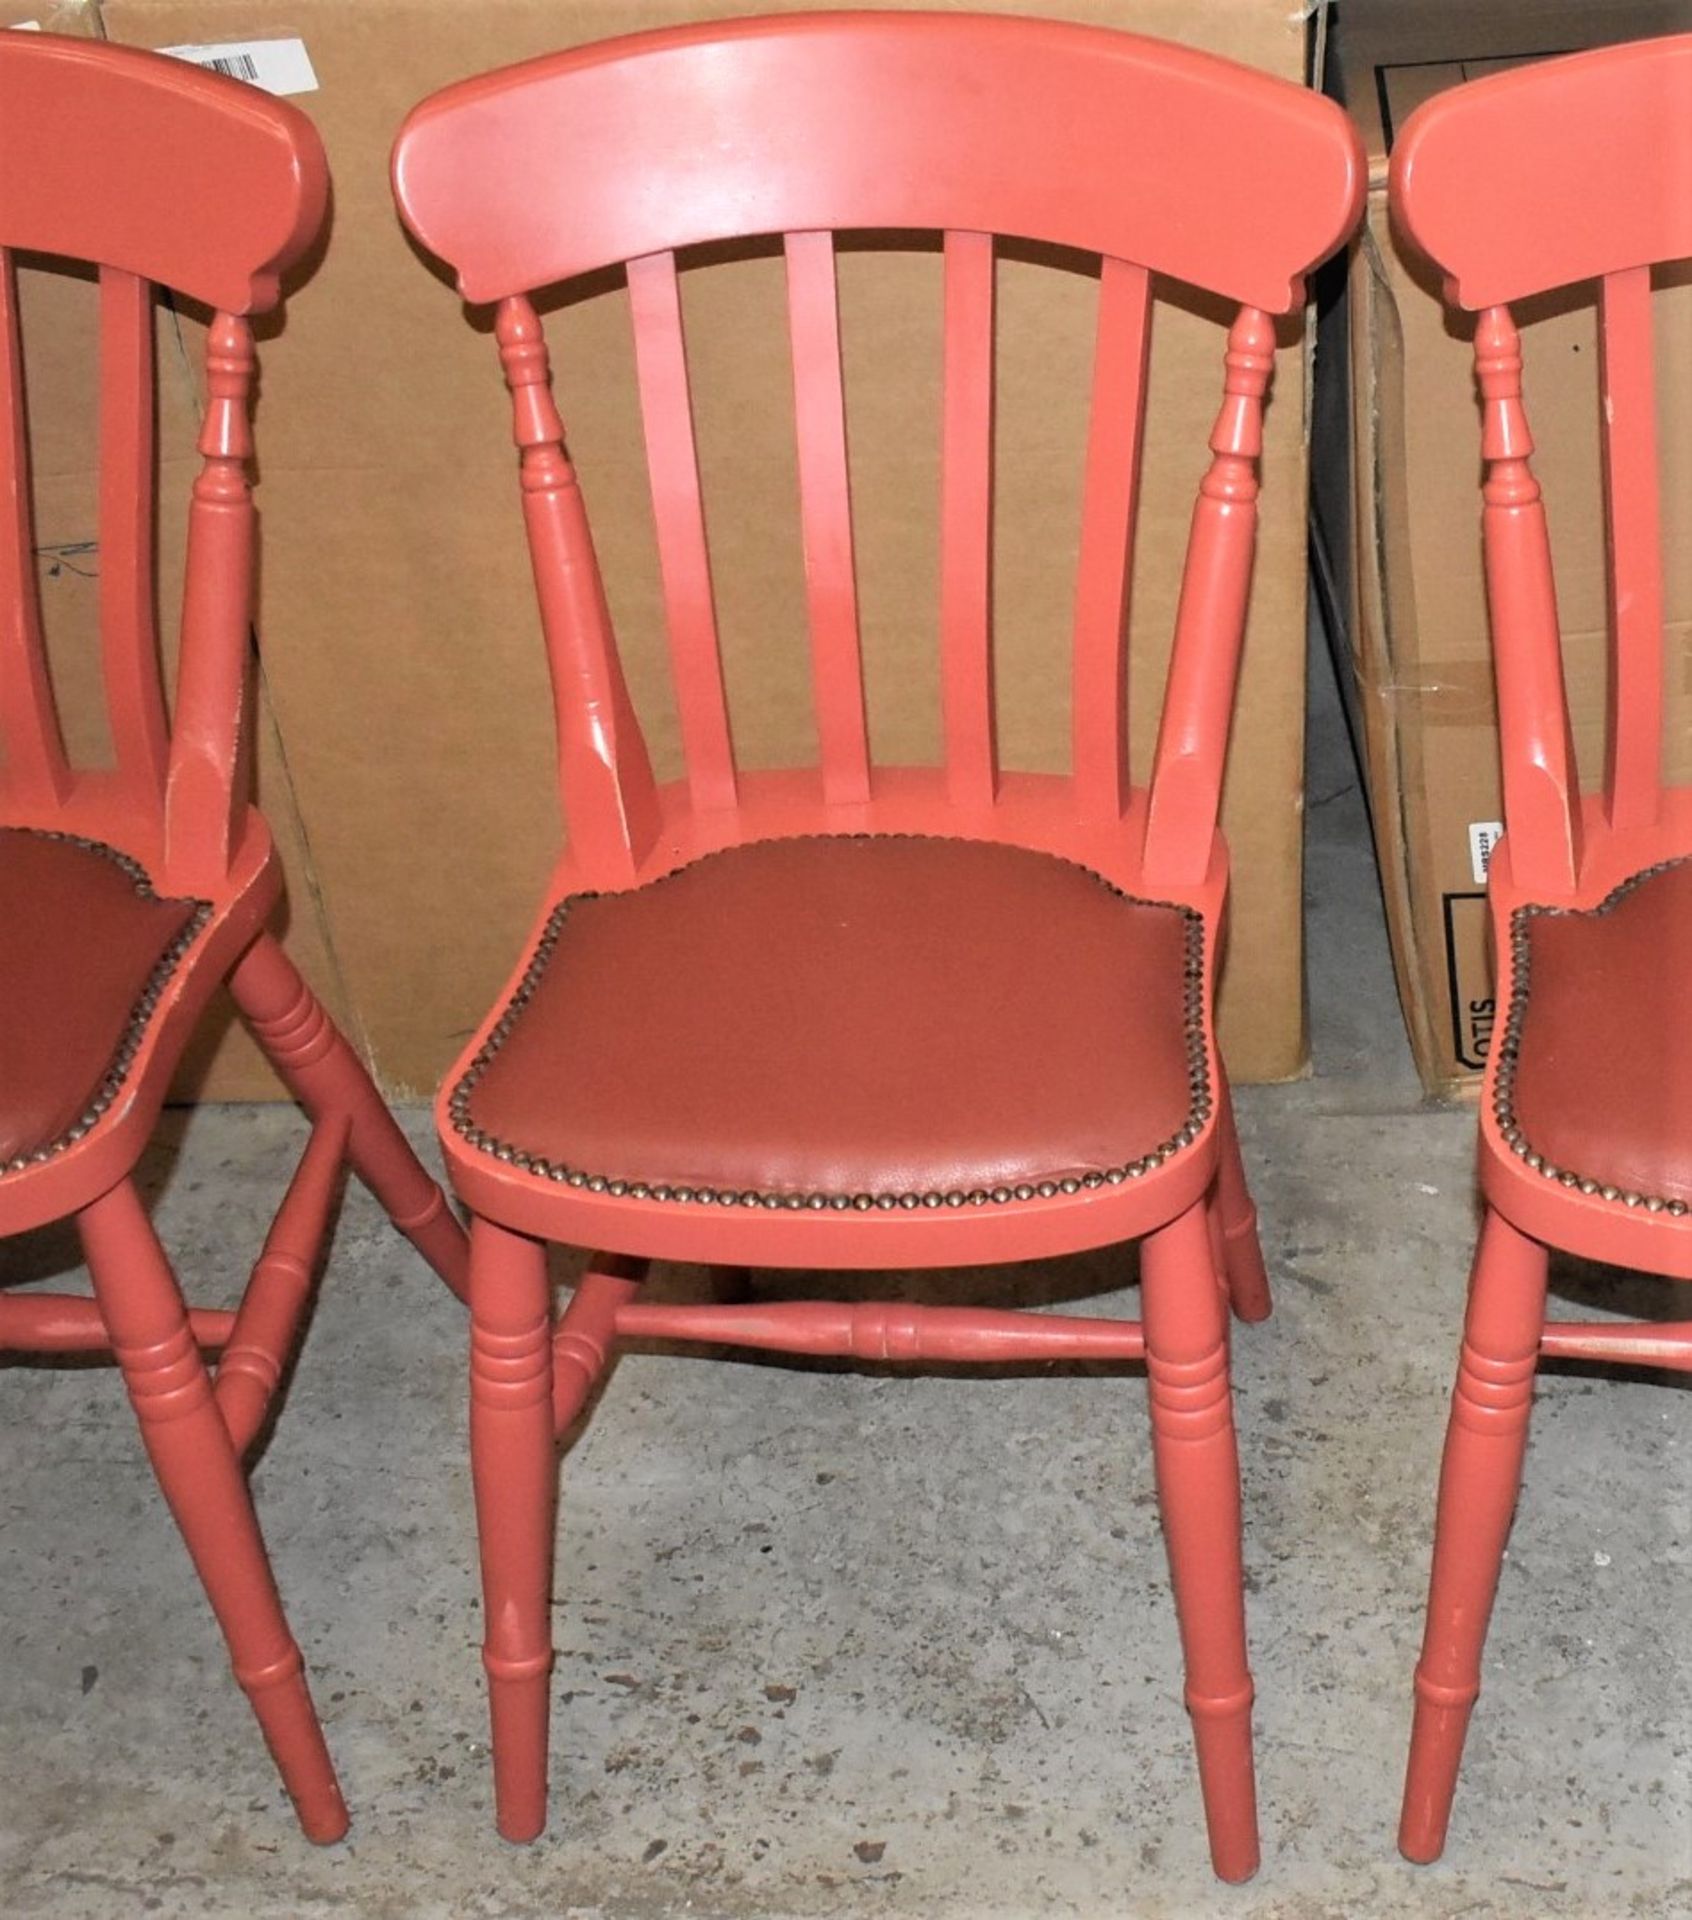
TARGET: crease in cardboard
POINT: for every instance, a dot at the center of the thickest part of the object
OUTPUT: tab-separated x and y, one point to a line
1315	16
1371	646
1681	630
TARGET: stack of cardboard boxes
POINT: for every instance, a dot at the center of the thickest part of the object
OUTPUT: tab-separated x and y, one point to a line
1401	543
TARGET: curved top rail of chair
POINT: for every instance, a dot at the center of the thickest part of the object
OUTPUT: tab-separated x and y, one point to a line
103	158
1552	174
987	123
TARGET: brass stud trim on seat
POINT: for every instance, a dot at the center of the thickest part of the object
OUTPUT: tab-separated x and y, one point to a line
1504	1113
1201	1100
146	1003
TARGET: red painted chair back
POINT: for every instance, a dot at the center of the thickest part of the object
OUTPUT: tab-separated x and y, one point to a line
158	174
1537	179
1158	159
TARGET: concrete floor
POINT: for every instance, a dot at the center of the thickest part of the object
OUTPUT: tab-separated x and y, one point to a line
856	1642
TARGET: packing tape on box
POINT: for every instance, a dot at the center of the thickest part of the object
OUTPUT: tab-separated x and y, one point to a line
1461	693
1446	693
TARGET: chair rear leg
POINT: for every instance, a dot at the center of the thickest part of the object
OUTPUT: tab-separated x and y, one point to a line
514	1466
325	1076
201	1476
1479	1480
1218	1244
1198	1478
1248	1282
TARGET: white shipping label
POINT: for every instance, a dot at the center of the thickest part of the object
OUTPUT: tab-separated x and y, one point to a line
279	66
1484	835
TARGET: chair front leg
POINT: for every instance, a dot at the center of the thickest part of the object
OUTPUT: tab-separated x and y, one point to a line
1198	1476
322	1072
514	1466
200	1473
1479	1480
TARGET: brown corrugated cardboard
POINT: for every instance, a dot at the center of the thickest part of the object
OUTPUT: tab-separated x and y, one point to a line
399	638
1418	639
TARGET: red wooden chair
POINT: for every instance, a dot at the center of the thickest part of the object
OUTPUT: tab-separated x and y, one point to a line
129	892
855	1016
1541	178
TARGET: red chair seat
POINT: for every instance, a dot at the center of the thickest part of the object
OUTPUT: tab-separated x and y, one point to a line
839	1021
1596	1078
85	946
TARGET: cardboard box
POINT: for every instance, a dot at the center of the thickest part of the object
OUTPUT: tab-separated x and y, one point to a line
400	644
1405	561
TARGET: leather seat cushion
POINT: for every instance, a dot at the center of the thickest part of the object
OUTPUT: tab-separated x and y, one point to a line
84	945
1595	1076
891	1020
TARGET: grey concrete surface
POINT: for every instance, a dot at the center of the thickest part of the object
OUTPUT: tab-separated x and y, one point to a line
856	1642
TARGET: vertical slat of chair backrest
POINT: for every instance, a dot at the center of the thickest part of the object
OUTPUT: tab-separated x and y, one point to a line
1541	785
1099	726
128	638
666	409
605	775
208	779
1631	485
1192	740
826	518
35	770
966	522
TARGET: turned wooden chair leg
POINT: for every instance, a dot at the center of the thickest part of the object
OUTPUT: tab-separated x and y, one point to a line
1479	1480
1248	1282
1198	1478
325	1076
204	1485
515	1469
